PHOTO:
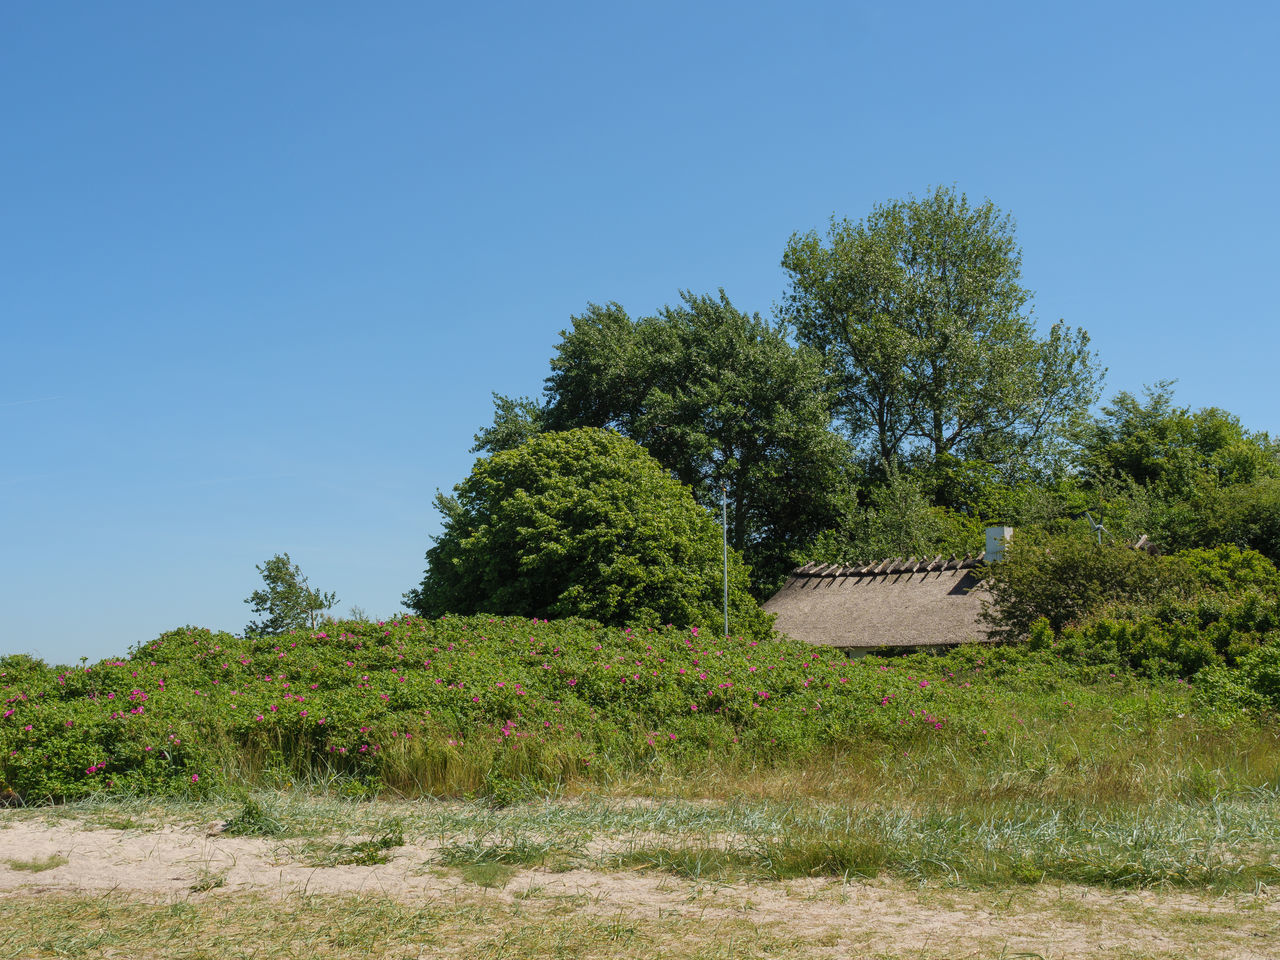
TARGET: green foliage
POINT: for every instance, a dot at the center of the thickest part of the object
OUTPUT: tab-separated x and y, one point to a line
1202	612
1227	568
1068	578
582	523
898	521
720	398
1185	478
253	820
1224	694
290	604
515	420
507	709
920	315
1260	670
1246	515
1175	451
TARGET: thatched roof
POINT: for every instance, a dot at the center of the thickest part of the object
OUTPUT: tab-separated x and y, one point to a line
895	603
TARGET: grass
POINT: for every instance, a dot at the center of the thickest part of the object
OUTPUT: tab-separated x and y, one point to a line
1226	842
697	923
253	820
698	879
207	880
359	927
360	853
1223	845
39	864
517	709
488	874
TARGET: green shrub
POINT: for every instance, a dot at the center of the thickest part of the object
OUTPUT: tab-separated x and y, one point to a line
1068	578
508	708
1260	671
1230	568
582	523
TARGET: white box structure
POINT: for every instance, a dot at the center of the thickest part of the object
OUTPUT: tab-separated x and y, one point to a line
997	537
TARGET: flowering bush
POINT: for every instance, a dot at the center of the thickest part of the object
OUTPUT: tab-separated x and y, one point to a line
464	705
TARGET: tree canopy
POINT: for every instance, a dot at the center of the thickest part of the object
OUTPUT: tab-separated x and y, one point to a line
1187	478
921	317
286	599
719	398
903	398
1153	442
581	523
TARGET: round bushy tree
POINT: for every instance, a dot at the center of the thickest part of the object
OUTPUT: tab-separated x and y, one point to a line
581	523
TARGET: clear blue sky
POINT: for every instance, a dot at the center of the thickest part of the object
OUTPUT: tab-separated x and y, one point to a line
261	265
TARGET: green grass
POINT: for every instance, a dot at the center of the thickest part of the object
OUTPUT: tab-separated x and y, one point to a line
361	853
39	864
207	880
253	820
480	920
360	927
488	874
911	829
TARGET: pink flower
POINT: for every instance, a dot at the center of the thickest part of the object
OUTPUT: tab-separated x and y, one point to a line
195	778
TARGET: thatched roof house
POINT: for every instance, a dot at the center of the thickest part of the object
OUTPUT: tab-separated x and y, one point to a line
895	603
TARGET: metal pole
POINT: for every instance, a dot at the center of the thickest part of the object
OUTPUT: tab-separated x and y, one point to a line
724	525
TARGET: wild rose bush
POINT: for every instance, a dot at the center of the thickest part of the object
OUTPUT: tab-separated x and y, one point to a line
462	705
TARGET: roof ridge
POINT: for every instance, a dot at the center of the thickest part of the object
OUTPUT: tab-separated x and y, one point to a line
890	566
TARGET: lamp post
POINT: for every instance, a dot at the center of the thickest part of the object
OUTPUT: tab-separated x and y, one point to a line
724	527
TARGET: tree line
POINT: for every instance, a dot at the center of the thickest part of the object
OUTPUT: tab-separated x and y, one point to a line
902	398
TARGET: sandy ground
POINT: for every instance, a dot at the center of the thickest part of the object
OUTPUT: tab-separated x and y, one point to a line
851	919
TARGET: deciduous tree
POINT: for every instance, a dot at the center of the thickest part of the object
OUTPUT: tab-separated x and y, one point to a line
286	599
581	523
921	317
720	398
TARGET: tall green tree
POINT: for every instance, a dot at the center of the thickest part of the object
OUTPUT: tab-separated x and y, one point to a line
1155	443
581	523
1187	478
720	398
921	318
286	599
